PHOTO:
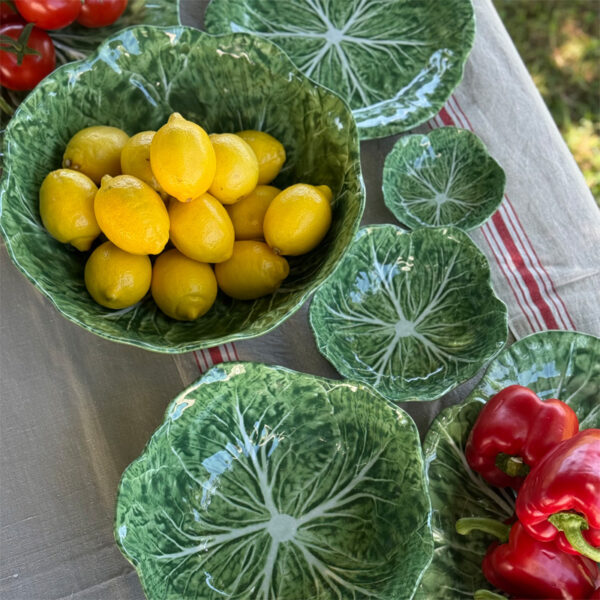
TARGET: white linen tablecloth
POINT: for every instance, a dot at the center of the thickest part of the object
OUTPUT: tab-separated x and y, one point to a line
76	409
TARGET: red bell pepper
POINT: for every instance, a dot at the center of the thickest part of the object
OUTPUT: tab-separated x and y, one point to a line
513	431
524	567
560	499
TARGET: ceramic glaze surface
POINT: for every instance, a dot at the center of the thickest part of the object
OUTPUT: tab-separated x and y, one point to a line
554	364
443	178
412	314
265	483
135	81
395	62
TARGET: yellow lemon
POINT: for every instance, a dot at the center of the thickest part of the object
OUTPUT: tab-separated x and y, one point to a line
96	151
184	289
269	152
132	215
135	159
298	219
253	270
182	158
248	214
115	278
237	168
67	208
201	229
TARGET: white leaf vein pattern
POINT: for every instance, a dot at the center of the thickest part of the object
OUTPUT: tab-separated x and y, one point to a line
276	525
338	45
405	316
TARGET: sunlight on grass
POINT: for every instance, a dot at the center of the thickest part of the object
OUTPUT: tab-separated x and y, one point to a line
559	41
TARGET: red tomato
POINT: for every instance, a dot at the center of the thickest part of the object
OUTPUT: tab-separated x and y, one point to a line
98	13
49	14
6	12
34	67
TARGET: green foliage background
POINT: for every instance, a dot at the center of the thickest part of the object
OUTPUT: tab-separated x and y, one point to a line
559	41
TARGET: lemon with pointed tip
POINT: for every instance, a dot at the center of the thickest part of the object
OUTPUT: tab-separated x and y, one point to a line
115	278
135	159
298	219
201	229
236	174
96	151
132	215
67	208
248	214
269	151
253	271
182	158
184	289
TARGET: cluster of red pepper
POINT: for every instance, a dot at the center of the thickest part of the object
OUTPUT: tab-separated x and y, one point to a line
26	51
550	548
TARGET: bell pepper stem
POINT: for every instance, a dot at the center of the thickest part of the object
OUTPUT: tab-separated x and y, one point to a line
572	524
465	525
513	466
5	107
487	595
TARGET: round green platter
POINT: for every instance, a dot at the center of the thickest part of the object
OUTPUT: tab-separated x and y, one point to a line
554	364
443	178
395	62
266	483
412	314
134	81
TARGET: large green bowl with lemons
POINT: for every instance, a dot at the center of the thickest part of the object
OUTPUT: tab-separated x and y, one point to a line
134	81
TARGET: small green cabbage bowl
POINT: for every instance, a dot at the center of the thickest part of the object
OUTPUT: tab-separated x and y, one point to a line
134	81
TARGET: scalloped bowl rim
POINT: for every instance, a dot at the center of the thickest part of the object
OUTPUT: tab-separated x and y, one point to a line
380	131
205	379
451	130
182	347
367	230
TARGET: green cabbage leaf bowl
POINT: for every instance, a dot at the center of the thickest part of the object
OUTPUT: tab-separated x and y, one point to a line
134	81
265	483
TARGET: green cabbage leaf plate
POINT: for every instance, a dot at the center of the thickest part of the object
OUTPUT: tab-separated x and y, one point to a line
443	178
554	364
395	62
411	314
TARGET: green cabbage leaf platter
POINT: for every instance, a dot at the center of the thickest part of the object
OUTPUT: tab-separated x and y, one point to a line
395	62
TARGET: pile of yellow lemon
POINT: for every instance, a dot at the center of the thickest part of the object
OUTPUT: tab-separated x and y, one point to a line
207	195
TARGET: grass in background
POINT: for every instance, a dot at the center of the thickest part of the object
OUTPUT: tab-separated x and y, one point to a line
559	41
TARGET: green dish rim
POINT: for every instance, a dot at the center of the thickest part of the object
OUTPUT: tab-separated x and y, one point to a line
179	348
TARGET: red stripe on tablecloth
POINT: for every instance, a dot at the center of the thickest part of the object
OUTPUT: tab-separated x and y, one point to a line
519	235
565	317
197	361
522	304
205	359
224	352
215	355
232	352
519	290
526	250
532	277
445	117
526	275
